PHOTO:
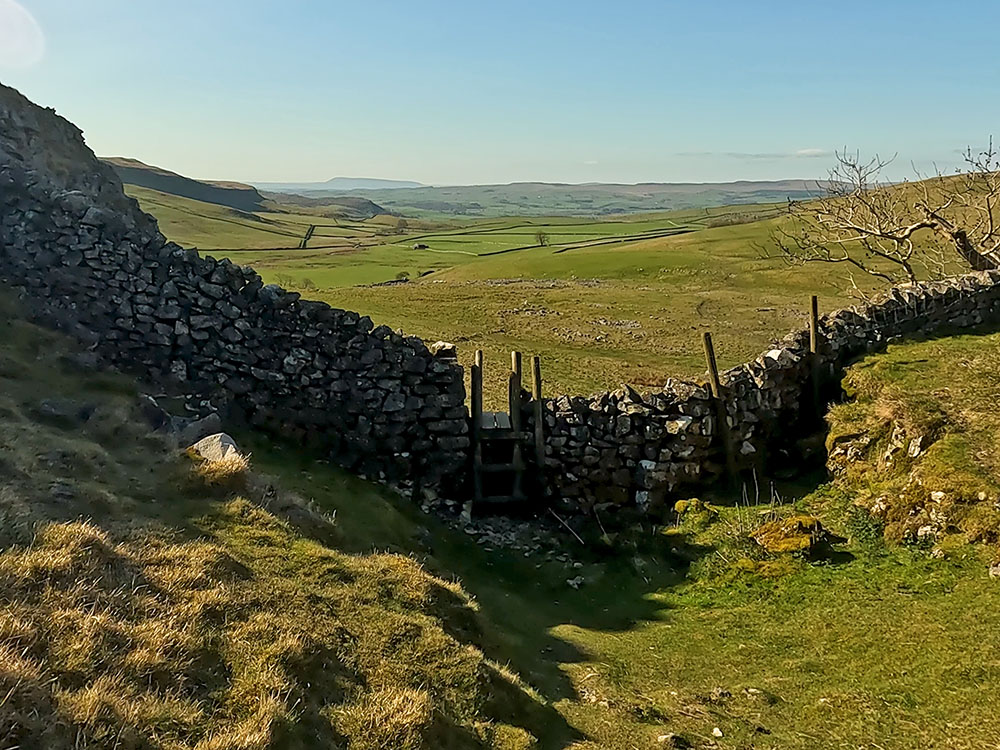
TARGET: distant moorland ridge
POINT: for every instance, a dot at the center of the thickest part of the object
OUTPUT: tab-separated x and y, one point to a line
339	184
548	199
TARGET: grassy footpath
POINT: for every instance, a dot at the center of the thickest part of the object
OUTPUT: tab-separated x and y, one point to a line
689	628
885	648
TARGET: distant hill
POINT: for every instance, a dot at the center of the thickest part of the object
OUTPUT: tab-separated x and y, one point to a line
231	194
338	184
592	199
348	206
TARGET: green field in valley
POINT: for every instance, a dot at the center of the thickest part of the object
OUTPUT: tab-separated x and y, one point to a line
604	302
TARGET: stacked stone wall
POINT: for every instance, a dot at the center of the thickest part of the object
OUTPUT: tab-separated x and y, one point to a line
632	449
87	259
378	402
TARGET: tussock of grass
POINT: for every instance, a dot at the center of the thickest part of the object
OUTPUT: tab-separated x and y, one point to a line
395	718
231	472
144	610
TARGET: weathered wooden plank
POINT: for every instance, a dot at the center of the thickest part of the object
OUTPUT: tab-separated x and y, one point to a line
720	408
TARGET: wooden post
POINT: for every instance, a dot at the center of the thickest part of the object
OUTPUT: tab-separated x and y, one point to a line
514	399
814	325
713	368
720	408
515	420
814	373
476	384
536	395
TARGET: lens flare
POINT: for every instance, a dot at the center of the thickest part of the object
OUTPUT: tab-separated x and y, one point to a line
22	43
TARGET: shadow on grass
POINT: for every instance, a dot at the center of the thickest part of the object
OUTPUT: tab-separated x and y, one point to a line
521	600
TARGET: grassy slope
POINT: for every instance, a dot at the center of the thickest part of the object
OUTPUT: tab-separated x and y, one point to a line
942	394
187	618
607	315
143	610
882	647
205	225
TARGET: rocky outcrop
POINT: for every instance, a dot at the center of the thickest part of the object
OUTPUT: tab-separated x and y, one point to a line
87	259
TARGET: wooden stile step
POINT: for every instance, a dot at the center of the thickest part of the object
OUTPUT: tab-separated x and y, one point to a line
499	440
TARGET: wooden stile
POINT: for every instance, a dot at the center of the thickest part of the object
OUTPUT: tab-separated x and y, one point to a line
720	408
515	420
539	412
476	384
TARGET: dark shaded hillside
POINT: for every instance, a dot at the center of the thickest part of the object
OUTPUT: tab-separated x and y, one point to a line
231	194
342	205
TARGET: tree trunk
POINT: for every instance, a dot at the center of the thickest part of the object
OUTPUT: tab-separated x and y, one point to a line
963	245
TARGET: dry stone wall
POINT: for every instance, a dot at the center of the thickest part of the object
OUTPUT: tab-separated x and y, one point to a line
89	260
626	449
381	403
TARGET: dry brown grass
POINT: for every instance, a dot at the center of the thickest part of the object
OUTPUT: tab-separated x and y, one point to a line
141	609
229	473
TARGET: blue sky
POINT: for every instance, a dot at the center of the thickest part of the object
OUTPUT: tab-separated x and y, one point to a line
462	92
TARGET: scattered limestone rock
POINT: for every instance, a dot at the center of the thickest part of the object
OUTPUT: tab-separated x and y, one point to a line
215	447
189	431
444	350
673	741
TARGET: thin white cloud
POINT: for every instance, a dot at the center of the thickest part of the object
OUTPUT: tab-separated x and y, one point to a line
22	43
802	153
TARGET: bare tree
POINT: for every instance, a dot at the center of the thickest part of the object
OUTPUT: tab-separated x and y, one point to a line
899	232
542	238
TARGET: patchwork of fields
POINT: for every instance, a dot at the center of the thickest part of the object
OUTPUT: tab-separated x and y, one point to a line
603	302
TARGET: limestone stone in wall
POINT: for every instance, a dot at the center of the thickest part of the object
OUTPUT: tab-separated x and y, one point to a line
90	261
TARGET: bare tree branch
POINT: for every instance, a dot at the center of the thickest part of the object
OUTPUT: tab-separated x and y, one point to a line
899	232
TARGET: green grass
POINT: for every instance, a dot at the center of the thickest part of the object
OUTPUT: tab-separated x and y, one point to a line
209	227
178	615
608	315
678	633
206	225
940	393
607	302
